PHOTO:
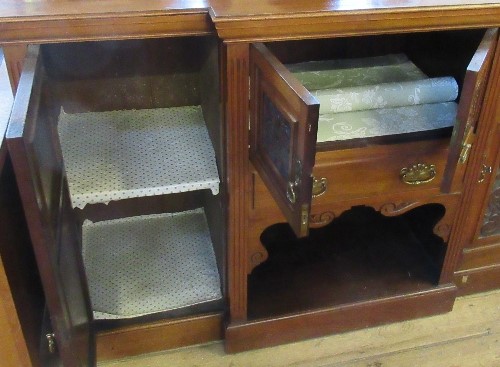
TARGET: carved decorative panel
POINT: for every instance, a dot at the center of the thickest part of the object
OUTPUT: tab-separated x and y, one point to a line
491	223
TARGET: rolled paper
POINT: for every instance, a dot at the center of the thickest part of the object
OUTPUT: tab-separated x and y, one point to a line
385	121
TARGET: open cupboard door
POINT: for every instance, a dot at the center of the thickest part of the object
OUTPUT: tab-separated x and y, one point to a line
470	103
283	126
33	146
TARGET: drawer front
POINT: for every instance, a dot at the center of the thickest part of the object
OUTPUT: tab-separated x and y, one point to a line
377	170
364	172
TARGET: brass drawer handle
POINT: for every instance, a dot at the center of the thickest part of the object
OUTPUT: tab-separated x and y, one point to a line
418	174
319	186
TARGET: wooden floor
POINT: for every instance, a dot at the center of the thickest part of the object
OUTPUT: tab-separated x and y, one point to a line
469	336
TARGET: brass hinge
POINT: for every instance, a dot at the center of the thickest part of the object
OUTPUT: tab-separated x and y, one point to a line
466	144
304	219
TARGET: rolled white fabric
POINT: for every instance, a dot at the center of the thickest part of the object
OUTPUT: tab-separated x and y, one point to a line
337	64
358	76
387	95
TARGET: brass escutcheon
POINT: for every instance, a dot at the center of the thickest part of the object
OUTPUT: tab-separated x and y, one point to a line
418	174
319	186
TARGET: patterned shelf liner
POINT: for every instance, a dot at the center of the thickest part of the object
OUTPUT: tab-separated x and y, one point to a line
147	264
386	121
136	153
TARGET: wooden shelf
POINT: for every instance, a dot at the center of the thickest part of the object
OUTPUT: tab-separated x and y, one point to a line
136	153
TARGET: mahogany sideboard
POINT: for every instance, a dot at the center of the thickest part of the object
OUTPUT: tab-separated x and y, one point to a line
368	250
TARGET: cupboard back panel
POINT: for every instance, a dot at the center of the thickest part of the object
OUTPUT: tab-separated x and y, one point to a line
132	74
435	53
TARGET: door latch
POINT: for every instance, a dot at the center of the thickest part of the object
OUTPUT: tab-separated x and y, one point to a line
295	183
51	342
486	170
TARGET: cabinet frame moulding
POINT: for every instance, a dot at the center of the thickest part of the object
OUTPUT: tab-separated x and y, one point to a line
324	214
312	324
236	71
309	25
156	336
89	27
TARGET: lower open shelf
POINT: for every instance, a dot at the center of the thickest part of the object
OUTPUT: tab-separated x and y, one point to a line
150	264
361	256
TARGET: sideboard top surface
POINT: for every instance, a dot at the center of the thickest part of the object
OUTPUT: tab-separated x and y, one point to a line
221	8
43	21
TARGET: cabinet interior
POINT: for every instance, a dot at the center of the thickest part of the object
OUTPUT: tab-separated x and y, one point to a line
439	56
360	256
138	125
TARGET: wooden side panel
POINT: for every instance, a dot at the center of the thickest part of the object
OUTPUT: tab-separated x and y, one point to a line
283	126
469	108
38	167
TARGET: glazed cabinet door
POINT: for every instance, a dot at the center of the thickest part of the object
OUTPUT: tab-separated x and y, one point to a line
283	126
36	156
468	112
